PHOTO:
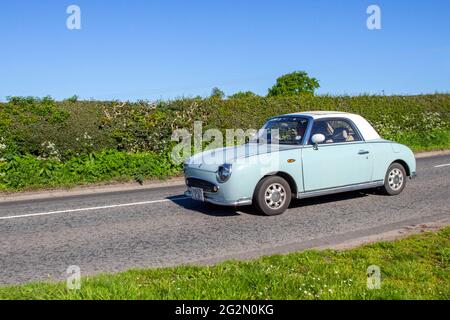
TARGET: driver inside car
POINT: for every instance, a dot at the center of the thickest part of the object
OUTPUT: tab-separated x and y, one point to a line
323	127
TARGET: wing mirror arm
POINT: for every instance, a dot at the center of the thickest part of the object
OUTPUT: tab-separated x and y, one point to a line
317	139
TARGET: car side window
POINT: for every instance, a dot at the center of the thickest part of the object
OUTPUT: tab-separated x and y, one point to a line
335	131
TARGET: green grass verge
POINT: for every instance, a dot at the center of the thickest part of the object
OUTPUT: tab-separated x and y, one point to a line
413	268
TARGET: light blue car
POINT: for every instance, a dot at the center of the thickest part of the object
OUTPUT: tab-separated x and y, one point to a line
300	155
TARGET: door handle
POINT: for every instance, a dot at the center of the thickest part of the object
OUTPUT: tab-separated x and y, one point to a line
363	152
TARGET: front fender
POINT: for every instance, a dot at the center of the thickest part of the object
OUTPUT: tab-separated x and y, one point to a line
247	172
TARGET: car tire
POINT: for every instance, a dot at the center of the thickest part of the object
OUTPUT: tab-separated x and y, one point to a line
395	180
272	196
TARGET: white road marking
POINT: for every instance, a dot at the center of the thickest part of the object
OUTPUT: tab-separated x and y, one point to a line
442	165
91	208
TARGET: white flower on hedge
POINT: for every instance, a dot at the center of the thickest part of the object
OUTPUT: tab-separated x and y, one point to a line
2	144
48	145
51	147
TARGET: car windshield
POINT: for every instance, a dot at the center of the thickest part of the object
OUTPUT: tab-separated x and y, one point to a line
284	130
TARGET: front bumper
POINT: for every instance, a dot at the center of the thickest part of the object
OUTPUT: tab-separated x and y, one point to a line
413	175
220	202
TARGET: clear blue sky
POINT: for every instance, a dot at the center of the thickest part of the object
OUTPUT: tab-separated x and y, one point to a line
164	49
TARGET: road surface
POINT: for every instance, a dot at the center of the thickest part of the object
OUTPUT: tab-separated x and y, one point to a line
110	232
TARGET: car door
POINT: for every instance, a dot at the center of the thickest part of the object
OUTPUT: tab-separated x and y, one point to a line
343	159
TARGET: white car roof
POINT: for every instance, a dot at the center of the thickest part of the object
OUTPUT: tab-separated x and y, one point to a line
364	127
320	114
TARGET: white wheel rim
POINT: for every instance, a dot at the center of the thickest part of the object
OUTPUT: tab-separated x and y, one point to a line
275	196
395	179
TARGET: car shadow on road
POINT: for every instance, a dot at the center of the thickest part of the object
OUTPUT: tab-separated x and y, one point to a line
205	208
219	211
308	202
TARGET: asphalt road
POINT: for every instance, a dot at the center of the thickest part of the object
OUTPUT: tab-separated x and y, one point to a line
115	231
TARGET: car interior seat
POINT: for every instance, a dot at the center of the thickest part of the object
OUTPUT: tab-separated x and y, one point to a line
341	135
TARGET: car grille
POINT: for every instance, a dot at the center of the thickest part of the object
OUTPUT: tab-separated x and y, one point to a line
202	184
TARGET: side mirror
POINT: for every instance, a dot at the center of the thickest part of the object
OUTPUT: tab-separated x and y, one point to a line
317	139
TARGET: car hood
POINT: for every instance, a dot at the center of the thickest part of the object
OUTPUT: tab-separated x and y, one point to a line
210	160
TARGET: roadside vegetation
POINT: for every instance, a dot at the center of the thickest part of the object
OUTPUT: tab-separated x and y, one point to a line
45	143
417	267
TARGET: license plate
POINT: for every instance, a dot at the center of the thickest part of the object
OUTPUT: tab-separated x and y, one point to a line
197	194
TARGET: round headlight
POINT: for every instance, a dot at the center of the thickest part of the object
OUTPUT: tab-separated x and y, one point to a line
224	172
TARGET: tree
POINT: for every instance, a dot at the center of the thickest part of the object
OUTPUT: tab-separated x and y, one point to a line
72	99
294	83
241	94
217	93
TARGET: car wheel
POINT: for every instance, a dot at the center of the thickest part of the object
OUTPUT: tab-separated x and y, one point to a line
395	179
272	195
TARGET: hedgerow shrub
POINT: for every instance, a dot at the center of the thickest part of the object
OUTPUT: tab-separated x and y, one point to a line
29	171
45	128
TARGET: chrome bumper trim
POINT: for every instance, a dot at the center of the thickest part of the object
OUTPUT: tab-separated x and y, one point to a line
240	202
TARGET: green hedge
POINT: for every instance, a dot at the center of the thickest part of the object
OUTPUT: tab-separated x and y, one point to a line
43	127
